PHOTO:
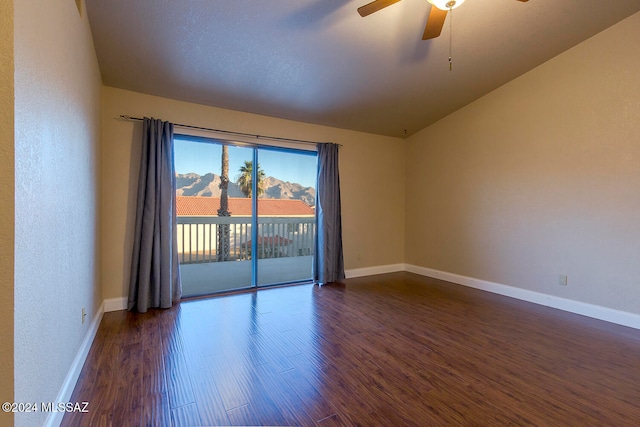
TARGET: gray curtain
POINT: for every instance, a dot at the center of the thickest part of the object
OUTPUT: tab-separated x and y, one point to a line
329	263
155	274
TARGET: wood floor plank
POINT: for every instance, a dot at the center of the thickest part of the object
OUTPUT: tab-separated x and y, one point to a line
231	380
185	416
156	410
179	386
208	400
394	349
280	391
309	393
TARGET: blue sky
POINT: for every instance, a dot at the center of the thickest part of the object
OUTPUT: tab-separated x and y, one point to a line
205	157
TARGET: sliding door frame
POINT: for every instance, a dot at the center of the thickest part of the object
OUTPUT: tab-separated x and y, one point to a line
309	150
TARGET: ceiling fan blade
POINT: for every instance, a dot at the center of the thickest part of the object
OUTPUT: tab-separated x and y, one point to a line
434	23
375	6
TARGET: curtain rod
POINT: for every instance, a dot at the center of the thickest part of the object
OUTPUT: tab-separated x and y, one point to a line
273	138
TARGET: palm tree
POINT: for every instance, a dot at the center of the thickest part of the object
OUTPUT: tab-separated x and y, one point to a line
223	229
244	180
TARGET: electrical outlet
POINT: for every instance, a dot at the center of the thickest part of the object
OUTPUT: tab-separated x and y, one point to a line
84	314
562	280
358	257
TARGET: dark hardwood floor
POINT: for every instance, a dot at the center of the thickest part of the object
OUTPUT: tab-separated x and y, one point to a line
395	349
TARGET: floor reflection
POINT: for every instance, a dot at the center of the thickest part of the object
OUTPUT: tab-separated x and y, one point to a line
259	349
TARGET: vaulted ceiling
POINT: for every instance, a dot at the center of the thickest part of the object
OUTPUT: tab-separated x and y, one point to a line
318	61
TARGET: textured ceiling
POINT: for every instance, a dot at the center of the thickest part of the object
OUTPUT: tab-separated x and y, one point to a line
318	61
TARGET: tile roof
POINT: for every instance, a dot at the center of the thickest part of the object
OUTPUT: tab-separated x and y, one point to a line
208	206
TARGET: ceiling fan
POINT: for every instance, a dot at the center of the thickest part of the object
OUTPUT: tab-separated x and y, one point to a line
436	19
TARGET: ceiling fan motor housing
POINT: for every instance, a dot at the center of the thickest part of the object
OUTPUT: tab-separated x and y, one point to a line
446	4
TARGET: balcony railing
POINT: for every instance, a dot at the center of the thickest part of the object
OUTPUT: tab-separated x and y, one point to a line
277	237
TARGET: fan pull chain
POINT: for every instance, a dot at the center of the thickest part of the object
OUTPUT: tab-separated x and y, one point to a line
450	35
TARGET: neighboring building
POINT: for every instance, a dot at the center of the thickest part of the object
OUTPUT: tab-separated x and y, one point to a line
208	206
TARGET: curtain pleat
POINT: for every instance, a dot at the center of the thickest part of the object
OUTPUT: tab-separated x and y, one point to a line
155	272
329	262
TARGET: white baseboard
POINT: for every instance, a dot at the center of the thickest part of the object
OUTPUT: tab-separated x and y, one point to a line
619	317
55	418
370	271
115	304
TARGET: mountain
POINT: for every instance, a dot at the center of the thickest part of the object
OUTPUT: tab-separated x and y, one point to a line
277	189
192	184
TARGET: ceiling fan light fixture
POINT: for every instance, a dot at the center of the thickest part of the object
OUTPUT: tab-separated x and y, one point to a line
446	4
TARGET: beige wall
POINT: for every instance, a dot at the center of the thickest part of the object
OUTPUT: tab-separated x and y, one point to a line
6	206
57	101
371	167
539	178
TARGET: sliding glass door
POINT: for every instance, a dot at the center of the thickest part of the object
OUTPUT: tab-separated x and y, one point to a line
286	216
240	226
213	217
